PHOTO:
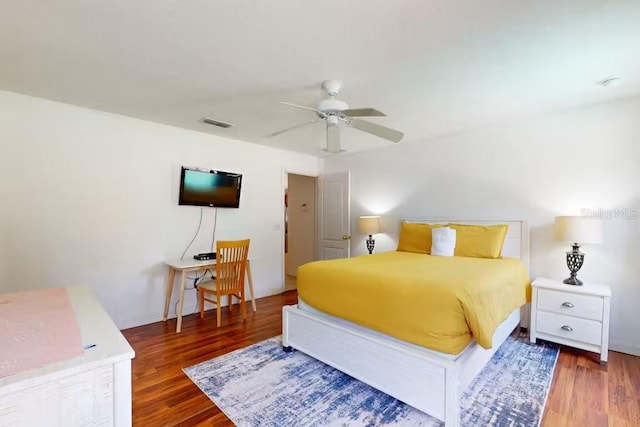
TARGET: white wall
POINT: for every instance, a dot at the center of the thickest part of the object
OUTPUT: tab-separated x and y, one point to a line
534	169
92	198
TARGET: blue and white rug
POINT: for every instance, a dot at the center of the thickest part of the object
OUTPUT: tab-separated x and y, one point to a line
262	385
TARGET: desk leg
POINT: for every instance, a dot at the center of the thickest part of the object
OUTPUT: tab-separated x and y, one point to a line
183	280
167	297
253	299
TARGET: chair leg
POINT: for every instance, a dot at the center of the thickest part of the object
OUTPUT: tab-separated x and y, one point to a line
230	302
243	307
218	309
201	299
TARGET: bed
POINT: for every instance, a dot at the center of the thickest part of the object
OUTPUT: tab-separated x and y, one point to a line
429	380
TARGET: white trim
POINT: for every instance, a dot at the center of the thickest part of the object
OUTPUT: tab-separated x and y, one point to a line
140	320
622	347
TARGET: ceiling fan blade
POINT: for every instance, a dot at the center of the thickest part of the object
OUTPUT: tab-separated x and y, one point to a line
363	112
303	107
280	132
377	130
333	138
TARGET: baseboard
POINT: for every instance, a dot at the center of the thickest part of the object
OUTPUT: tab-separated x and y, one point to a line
189	308
138	321
269	292
153	318
632	349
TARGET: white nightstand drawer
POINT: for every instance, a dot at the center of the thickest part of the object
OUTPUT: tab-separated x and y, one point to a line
573	328
586	306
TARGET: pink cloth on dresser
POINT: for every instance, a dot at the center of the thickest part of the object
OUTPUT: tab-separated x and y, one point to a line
37	328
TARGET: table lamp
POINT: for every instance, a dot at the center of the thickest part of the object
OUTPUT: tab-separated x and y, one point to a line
369	225
576	230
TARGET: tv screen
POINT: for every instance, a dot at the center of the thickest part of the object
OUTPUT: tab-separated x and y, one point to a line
210	188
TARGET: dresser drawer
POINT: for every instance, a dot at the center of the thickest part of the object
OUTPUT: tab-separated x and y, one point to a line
576	329
585	306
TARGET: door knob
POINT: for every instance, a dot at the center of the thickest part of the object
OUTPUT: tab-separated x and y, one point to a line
345	237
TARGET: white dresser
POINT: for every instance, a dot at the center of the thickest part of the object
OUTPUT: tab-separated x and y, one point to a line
577	316
90	390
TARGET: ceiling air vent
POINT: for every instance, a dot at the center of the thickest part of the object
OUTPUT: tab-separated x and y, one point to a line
215	122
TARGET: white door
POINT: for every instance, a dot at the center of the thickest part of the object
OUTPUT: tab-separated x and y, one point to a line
333	215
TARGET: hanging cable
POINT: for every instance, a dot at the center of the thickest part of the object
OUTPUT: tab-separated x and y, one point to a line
194	236
215	222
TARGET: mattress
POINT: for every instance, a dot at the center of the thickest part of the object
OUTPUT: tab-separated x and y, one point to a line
440	303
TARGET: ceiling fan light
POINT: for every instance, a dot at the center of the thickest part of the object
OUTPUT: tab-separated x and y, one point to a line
332	86
332	121
331	105
333	111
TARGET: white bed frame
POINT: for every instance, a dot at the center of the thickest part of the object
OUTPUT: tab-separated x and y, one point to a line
429	381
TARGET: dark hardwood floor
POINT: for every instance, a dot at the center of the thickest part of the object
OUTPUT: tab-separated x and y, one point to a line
582	393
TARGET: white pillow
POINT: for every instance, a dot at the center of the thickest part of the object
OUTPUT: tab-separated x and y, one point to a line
443	241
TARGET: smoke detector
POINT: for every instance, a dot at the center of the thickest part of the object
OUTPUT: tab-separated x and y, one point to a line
609	81
215	122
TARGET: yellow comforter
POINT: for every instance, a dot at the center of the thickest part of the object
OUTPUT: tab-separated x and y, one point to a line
435	302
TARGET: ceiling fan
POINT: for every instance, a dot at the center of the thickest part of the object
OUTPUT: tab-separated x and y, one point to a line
334	111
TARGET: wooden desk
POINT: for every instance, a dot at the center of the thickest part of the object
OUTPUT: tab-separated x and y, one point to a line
187	266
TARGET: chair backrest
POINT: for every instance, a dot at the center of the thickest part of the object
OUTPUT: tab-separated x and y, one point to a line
231	264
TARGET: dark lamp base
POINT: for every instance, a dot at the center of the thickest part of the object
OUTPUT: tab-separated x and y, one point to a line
370	244
575	259
572	281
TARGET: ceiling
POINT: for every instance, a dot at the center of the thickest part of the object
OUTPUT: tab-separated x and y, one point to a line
434	67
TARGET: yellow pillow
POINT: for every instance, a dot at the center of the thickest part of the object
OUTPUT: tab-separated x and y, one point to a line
416	237
479	241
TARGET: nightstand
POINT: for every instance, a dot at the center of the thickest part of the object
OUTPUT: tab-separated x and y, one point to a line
577	316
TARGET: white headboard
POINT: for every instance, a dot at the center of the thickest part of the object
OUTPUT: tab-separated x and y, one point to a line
516	243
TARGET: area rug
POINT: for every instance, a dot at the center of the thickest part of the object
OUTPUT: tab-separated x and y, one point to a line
262	385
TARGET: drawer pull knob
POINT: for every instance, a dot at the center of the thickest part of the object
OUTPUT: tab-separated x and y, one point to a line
567	304
567	328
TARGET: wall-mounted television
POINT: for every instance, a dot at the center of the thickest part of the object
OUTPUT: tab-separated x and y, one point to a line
213	188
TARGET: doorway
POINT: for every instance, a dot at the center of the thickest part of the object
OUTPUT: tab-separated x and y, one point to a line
300	225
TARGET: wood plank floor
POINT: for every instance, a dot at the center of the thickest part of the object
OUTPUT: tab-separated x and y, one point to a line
582	393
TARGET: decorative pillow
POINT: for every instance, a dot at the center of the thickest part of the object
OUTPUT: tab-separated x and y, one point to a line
416	237
443	241
479	241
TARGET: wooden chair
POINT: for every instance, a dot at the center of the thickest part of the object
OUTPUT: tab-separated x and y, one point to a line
231	265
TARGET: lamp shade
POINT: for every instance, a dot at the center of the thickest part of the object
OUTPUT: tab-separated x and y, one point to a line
369	224
578	229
